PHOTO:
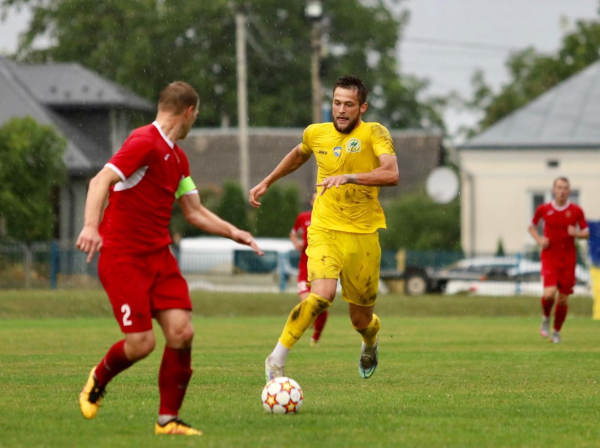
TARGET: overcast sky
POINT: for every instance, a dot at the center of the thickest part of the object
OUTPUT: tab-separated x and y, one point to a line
446	40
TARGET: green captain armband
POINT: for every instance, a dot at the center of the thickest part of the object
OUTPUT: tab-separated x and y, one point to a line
185	186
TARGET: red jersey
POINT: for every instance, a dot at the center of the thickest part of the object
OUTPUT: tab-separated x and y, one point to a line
139	207
561	247
301	226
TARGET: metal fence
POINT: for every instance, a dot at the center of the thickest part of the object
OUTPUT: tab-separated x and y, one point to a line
50	265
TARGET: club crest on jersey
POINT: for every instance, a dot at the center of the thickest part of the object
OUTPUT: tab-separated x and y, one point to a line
353	145
568	214
337	151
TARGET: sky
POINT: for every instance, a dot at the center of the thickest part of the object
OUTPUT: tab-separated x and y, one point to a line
447	40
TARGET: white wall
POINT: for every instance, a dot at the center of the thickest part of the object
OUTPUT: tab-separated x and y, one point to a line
504	181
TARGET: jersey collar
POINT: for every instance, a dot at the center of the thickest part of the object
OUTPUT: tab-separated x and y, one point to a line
560	209
162	134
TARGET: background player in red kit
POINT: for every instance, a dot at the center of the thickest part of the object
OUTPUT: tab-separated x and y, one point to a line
140	275
299	237
559	256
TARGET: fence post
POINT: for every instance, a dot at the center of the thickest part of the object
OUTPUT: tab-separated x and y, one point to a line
54	263
282	272
518	286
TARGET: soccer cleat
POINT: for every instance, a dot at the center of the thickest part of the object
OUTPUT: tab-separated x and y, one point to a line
90	396
555	337
314	342
368	362
176	427
545	328
272	371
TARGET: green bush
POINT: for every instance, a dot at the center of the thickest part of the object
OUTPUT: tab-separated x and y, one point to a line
416	222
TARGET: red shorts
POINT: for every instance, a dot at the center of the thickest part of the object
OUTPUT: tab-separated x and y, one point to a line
140	285
561	277
303	285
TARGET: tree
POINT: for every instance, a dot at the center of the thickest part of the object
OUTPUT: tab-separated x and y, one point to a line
270	219
415	222
533	73
31	167
233	206
148	43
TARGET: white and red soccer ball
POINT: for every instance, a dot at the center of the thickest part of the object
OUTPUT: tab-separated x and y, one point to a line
282	395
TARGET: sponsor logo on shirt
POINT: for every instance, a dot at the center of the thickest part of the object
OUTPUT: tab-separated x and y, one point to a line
337	151
167	156
321	151
353	145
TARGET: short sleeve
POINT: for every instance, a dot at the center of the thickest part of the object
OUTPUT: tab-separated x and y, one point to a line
538	215
581	219
135	153
382	140
305	146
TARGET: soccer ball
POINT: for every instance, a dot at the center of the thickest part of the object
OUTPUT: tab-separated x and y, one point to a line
282	395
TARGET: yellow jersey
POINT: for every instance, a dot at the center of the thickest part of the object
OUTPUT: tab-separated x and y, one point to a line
349	208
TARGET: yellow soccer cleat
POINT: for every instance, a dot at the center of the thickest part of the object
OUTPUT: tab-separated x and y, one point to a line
176	427
90	396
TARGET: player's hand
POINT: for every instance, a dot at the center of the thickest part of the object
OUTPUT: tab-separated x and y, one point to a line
299	246
243	237
333	181
571	230
544	242
256	193
89	241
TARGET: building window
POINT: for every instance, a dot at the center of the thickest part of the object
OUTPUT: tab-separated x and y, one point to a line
553	163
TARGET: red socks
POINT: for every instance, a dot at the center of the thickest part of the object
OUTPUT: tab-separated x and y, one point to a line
173	378
560	314
319	325
547	306
113	363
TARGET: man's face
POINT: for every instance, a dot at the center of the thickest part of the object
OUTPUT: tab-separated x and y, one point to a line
346	109
189	117
561	191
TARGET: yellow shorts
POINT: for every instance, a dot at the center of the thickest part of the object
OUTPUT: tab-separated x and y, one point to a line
354	258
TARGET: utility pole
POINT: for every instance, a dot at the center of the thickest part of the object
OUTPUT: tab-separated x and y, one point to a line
317	114
242	96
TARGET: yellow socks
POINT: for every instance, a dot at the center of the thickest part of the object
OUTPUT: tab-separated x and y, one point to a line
302	317
369	334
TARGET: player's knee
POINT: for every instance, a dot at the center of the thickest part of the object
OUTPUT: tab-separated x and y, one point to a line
139	347
181	337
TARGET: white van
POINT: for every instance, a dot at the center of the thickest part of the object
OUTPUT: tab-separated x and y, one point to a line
202	255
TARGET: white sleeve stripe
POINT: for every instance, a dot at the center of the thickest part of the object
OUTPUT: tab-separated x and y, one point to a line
190	192
116	170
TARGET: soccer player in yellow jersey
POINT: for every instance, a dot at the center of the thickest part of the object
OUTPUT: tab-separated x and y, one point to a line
354	158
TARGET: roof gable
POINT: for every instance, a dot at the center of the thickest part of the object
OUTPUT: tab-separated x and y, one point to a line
567	115
70	84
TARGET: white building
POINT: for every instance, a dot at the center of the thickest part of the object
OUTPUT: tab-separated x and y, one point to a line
508	170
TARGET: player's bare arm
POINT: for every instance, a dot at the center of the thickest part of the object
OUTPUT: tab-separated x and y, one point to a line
290	163
383	176
198	215
297	242
582	234
89	240
542	241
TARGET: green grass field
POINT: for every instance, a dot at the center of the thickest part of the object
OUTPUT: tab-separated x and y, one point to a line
454	372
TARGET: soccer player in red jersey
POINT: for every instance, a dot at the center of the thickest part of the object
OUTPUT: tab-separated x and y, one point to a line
299	237
140	275
559	256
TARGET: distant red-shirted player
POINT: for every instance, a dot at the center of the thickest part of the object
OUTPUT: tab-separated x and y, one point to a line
299	235
140	275
559	256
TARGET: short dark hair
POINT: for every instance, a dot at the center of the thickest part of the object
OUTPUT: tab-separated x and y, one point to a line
177	97
564	179
352	82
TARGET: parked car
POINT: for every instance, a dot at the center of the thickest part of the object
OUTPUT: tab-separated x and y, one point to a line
521	278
